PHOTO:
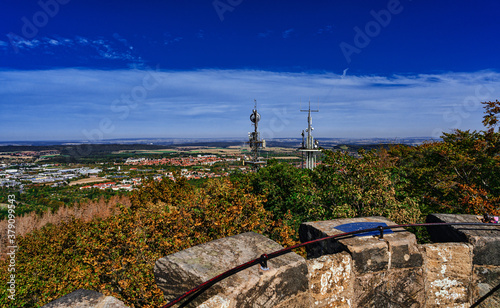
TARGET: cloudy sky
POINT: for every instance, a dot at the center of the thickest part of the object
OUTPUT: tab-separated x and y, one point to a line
93	70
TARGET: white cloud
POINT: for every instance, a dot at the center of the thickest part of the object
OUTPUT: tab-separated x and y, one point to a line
118	37
54	42
217	103
174	40
103	48
326	29
171	39
287	33
81	40
265	34
27	44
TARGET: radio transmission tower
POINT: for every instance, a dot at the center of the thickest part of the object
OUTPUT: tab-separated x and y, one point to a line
254	138
309	145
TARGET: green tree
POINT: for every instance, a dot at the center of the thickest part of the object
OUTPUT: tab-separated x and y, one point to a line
365	186
459	174
287	189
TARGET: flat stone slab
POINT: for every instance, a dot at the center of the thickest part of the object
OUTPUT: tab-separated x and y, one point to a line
370	253
85	299
485	240
359	226
253	287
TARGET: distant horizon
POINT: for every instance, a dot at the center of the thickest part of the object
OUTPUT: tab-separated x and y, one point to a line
195	139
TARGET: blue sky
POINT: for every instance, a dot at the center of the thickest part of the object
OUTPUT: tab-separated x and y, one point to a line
92	70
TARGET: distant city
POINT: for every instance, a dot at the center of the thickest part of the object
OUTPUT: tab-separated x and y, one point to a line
53	162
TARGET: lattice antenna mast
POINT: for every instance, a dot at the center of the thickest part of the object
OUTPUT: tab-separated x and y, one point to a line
310	147
254	137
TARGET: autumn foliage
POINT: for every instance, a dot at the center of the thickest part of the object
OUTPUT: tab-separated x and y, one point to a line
85	211
116	255
459	175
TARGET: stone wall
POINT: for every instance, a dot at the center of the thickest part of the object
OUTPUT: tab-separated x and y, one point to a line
184	270
460	267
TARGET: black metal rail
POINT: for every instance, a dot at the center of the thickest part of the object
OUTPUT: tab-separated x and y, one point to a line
262	260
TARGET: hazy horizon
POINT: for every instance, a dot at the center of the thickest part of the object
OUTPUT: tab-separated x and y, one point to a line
182	141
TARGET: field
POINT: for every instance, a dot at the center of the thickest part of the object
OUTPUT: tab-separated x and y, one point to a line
88	180
230	150
15	157
156	151
286	157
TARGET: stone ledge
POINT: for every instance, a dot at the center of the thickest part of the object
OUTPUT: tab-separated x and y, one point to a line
369	253
85	299
485	240
181	271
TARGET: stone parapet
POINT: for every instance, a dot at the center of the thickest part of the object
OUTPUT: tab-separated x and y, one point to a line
370	253
369	270
384	269
253	287
485	243
484	240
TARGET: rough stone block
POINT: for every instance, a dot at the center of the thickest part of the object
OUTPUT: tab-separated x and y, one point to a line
369	253
486	278
448	274
182	271
330	280
404	252
485	240
85	299
302	300
217	301
393	288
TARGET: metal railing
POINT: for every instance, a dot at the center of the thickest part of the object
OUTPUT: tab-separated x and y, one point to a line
262	260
